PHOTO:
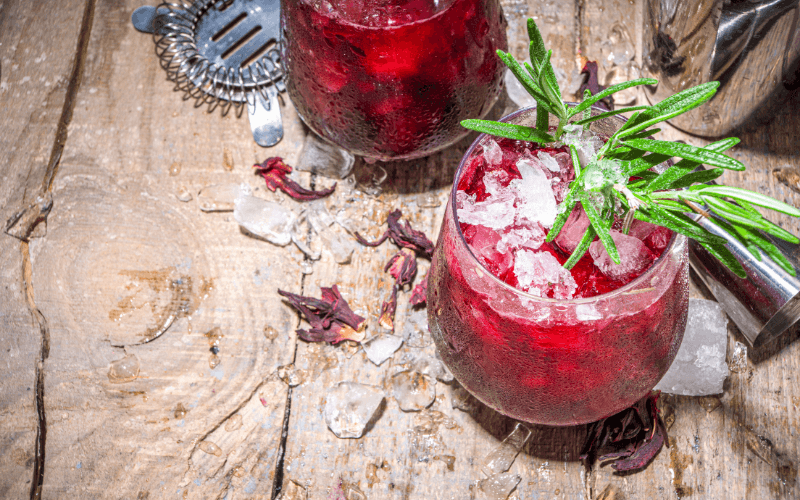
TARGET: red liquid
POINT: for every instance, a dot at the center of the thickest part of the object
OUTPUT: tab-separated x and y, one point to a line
392	79
554	362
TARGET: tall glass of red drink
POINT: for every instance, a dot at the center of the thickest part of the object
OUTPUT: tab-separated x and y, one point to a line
392	79
541	359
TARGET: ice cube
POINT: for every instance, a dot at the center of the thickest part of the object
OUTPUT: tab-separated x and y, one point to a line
499	486
500	459
573	230
265	219
656	237
413	390
381	348
536	201
492	152
699	368
634	256
321	157
349	407
539	273
494	212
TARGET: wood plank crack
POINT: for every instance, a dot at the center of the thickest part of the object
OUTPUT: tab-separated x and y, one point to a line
27	271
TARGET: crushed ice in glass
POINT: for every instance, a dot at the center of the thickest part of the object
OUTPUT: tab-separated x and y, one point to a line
413	391
699	368
262	218
349	407
540	273
381	348
500	459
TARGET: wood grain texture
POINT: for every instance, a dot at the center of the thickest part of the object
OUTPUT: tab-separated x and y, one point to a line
34	83
122	254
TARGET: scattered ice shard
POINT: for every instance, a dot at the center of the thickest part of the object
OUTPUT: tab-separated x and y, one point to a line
499	486
413	390
415	328
333	236
634	256
738	358
218	197
699	368
433	366
349	406
265	219
323	158
381	348
293	491
463	400
500	459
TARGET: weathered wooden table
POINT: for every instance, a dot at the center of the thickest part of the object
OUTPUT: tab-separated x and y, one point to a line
88	119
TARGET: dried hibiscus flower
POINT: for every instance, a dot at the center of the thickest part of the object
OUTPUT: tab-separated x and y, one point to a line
632	437
420	294
331	318
276	173
403	268
403	265
402	236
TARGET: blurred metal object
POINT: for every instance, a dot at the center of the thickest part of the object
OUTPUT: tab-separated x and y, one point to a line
752	47
222	52
765	304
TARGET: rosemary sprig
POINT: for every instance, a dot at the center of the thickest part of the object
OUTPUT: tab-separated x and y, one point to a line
620	175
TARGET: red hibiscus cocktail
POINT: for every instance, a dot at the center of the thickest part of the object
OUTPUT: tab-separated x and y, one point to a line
392	79
529	338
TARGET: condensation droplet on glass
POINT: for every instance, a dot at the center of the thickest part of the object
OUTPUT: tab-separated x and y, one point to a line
234	423
210	448
124	370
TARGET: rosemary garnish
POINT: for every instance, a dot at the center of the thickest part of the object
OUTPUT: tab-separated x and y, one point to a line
618	179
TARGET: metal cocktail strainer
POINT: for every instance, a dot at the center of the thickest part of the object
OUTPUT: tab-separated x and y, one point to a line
222	52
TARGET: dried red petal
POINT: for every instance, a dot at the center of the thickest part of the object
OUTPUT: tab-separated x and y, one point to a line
388	308
403	267
420	294
402	236
275	171
331	318
632	437
593	84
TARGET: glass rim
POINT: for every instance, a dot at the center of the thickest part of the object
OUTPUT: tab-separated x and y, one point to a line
388	27
628	287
